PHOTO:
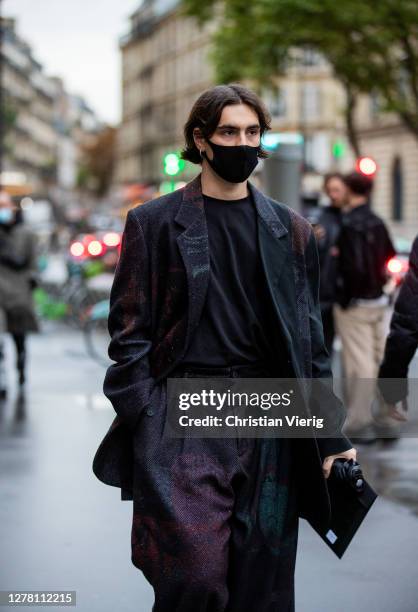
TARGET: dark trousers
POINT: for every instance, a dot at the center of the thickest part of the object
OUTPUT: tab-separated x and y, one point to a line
19	340
215	521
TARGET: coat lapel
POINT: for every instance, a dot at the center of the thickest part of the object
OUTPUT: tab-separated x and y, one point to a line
193	244
277	258
277	233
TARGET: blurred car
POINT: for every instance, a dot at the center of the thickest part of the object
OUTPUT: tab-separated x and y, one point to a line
105	222
101	248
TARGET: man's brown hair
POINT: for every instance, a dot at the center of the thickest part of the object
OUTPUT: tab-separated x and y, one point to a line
359	184
207	110
333	175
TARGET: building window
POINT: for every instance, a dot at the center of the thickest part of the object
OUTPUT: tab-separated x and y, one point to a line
277	104
311	101
317	152
397	190
375	105
311	58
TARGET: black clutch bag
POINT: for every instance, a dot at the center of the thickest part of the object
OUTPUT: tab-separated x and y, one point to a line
351	498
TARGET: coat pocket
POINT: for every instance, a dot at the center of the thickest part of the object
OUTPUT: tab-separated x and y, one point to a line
154	413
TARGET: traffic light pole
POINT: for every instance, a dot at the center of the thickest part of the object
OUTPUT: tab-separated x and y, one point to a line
282	172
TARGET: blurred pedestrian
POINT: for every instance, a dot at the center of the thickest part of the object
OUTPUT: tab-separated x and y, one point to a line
364	248
327	232
17	273
402	341
205	285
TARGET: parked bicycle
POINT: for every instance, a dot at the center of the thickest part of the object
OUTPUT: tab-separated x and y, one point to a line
96	334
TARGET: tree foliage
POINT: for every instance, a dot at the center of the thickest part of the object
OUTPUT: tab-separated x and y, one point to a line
371	46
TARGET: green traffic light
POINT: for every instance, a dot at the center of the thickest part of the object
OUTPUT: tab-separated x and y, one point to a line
338	149
173	164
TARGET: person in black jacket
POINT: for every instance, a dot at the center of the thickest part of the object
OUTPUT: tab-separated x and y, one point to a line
327	231
402	341
364	247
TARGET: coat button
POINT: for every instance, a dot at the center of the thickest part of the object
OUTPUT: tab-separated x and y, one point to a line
149	411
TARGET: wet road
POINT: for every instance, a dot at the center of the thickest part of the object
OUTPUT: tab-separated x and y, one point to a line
60	528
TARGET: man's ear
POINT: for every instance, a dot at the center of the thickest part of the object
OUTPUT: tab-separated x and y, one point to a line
198	137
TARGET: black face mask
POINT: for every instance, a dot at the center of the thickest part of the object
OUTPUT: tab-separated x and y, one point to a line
233	164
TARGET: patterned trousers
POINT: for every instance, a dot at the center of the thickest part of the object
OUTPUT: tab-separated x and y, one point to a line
215	521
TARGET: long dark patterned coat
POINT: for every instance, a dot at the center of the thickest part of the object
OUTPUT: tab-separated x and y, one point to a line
157	297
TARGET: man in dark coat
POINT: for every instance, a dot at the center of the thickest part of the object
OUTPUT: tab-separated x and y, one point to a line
202	272
364	247
327	232
402	341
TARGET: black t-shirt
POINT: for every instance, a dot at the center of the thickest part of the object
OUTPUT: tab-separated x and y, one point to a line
238	312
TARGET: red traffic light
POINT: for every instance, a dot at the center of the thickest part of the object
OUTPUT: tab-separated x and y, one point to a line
366	165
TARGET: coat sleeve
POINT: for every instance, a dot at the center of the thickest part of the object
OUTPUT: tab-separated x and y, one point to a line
390	250
321	367
402	341
25	258
33	254
14	261
128	383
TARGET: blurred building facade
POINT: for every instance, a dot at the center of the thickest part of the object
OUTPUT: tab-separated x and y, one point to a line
166	65
45	126
310	103
395	150
30	139
164	69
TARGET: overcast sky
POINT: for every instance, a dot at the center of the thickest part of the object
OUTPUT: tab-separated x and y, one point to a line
78	41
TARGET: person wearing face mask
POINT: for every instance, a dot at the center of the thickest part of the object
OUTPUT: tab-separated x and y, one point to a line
216	280
17	270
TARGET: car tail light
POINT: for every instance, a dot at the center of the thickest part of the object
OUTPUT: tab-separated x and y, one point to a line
95	248
397	266
111	239
77	249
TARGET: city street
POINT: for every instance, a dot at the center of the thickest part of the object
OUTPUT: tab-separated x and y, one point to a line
61	528
218	176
